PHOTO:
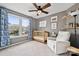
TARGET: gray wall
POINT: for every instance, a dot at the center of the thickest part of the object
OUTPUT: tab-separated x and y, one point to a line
61	24
34	26
72	19
74	42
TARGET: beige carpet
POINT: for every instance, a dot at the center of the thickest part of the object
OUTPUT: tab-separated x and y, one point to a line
32	48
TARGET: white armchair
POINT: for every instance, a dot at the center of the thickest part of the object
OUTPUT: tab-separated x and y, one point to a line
61	43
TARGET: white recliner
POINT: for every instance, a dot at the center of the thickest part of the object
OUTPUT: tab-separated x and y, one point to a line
61	43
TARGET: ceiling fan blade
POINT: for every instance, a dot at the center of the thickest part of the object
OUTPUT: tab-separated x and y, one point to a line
32	10
46	6
35	5
45	12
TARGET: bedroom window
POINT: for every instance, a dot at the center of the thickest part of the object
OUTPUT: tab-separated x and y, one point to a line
13	23
18	26
42	23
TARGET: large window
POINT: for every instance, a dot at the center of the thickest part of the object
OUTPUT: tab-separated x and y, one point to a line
13	23
18	25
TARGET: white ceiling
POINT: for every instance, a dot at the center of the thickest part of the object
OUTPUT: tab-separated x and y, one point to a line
24	7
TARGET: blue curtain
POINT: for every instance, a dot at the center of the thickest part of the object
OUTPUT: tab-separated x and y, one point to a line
4	34
30	30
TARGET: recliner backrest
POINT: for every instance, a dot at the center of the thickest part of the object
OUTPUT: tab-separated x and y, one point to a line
63	36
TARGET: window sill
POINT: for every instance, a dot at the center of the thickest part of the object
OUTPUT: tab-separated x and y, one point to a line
12	37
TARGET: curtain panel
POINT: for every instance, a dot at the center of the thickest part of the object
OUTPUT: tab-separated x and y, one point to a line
30	30
4	34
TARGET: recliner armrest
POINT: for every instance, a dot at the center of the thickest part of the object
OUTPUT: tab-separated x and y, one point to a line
63	43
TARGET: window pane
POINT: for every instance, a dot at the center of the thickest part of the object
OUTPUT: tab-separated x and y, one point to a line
25	26
13	23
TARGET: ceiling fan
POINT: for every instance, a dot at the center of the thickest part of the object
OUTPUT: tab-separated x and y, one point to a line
40	9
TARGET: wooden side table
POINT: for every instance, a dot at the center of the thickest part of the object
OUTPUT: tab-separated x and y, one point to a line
73	50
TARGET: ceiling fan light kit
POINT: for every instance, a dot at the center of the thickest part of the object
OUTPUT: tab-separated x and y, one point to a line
39	12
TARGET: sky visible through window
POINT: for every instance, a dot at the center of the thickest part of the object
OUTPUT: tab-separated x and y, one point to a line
12	19
25	22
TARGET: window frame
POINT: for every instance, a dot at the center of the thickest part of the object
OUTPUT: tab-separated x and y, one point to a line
20	26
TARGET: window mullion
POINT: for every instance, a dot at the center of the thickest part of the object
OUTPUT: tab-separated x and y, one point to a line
20	26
